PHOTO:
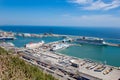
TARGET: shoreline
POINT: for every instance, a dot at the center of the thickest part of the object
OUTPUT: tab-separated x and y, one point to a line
99	62
51	59
56	35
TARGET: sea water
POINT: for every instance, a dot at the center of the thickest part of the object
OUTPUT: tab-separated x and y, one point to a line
104	54
21	41
108	54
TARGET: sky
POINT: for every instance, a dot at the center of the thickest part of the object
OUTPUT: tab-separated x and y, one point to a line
102	13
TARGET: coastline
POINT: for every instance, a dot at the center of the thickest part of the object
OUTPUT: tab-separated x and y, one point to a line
29	35
44	57
99	62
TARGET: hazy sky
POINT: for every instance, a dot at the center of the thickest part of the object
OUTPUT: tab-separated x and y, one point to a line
60	12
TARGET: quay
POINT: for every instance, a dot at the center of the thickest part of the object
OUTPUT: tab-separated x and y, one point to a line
61	66
65	67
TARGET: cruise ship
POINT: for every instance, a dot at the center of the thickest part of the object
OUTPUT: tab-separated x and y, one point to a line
91	40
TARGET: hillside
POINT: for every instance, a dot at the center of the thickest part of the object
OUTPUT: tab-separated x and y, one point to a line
14	68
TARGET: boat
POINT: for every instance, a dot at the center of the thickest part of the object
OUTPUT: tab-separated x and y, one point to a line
10	44
60	46
91	40
34	45
6	38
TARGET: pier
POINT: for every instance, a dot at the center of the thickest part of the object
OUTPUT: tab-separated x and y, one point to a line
112	44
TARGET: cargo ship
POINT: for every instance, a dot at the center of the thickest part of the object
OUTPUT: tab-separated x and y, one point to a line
91	40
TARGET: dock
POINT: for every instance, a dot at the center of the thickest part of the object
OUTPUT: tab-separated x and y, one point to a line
112	44
61	66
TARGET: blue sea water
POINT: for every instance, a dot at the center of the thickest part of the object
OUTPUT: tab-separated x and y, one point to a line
102	54
98	53
21	41
107	32
103	32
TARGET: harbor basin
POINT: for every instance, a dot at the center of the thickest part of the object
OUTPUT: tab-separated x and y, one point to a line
103	54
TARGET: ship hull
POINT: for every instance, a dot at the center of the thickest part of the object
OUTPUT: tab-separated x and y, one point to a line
6	38
94	42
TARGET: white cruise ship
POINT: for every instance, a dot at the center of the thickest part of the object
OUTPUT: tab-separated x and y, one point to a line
91	40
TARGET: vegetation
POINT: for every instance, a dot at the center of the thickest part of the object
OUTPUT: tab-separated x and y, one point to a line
14	68
3	52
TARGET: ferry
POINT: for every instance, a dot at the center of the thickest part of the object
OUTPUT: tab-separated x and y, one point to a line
34	45
91	40
6	38
60	46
